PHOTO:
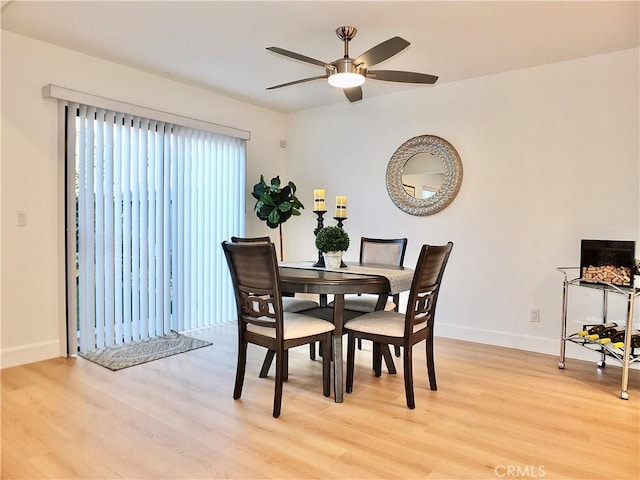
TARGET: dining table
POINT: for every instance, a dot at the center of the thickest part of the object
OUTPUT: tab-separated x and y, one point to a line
354	278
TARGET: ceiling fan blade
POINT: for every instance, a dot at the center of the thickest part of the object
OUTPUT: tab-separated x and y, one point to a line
297	81
381	52
353	94
297	56
404	77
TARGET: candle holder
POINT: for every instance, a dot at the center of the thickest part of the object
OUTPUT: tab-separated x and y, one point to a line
320	214
340	220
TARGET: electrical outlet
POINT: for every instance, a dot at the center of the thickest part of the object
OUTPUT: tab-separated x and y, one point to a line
534	315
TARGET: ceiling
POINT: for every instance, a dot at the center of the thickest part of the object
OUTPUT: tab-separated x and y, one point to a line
221	46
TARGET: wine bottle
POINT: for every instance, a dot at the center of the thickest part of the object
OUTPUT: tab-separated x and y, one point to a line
612	332
598	329
635	337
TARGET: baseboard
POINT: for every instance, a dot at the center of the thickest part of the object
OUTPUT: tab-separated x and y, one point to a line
520	342
11	357
35	352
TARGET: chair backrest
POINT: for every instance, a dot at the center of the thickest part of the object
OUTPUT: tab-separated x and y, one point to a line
423	296
257	240
256	283
251	239
385	251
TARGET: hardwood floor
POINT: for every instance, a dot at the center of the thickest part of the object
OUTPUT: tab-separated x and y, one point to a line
498	413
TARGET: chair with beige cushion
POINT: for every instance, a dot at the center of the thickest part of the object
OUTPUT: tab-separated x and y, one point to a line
382	251
262	320
290	303
404	329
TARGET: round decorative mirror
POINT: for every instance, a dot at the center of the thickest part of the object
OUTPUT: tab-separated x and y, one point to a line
424	175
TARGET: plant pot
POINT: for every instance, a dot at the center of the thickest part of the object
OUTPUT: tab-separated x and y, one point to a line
332	259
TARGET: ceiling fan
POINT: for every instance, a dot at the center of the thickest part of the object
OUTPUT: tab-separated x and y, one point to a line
350	74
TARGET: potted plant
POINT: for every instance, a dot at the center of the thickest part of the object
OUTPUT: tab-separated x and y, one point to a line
332	242
276	204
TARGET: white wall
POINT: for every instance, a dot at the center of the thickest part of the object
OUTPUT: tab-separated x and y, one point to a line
32	280
550	156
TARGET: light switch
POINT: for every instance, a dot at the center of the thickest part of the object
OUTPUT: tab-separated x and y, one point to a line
21	218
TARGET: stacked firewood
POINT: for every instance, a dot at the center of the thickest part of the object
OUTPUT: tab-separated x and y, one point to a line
607	274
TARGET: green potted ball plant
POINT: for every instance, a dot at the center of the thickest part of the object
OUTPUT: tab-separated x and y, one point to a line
332	242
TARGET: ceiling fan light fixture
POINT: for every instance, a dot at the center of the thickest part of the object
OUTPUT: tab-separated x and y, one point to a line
346	80
348	74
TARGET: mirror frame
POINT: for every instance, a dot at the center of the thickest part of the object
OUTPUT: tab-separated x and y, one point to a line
446	193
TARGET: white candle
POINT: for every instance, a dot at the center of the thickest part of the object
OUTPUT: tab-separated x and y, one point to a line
341	207
318	200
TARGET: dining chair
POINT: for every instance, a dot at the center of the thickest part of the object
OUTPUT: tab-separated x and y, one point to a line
384	251
290	303
261	319
404	329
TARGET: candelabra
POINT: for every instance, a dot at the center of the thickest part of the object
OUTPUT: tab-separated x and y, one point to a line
320	214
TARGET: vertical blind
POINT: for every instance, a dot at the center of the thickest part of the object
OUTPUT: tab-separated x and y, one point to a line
153	202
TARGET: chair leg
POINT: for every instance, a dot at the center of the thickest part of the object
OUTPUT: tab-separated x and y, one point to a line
321	349
388	359
285	356
396	302
377	359
266	364
431	369
268	360
312	350
280	372
240	369
351	354
408	377
359	344
326	365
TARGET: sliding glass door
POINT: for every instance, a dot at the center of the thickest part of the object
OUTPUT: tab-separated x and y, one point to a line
148	205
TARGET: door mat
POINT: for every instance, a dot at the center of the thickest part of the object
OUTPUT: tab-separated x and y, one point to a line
136	353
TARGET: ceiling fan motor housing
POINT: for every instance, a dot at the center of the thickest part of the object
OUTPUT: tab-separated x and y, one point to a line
345	65
344	74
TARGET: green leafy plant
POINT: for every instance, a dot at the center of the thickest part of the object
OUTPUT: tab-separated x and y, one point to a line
276	204
332	239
